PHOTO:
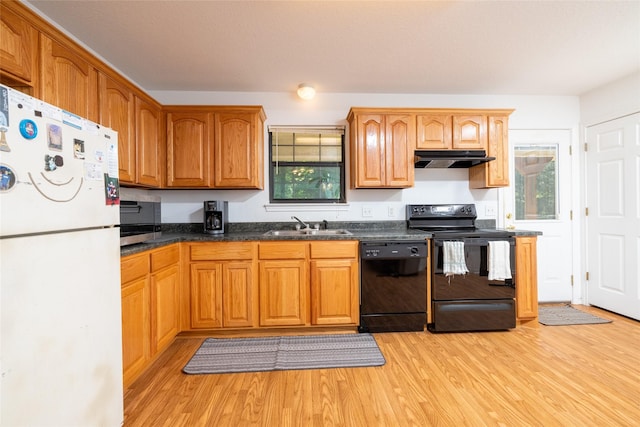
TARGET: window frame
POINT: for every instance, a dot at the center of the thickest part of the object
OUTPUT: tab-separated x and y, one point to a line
274	164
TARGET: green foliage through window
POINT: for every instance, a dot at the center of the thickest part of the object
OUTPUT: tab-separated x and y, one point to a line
536	185
307	165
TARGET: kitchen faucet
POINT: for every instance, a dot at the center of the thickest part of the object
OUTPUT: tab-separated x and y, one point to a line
304	224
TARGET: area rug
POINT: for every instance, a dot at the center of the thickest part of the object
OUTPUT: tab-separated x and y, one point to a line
559	315
217	356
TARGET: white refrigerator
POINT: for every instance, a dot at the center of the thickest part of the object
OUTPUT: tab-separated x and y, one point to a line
61	327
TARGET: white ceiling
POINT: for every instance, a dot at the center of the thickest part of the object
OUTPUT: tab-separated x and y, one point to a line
446	47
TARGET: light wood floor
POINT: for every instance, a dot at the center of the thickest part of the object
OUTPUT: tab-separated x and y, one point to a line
583	375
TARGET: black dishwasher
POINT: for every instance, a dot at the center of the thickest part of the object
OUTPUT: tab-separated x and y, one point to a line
393	286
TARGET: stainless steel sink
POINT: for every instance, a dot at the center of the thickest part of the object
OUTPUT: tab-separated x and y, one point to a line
309	232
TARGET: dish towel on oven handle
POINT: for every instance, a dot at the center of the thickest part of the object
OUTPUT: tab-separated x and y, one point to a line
499	260
453	261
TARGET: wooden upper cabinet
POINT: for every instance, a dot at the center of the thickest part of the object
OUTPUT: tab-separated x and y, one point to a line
367	151
189	141
435	131
400	141
68	80
117	111
149	143
239	149
18	47
382	148
496	172
215	147
469	132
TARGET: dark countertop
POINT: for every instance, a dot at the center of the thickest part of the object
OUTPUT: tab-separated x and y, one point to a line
384	230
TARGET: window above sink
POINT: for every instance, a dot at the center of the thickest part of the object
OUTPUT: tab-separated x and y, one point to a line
306	164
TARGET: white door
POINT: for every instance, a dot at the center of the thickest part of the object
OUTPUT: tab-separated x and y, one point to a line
613	222
540	199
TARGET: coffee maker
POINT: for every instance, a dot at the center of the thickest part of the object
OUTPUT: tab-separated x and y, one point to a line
215	216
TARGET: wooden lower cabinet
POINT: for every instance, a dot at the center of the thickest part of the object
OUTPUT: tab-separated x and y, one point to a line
206	295
238	294
273	284
136	333
284	283
284	293
334	298
527	279
165	297
223	285
334	283
150	307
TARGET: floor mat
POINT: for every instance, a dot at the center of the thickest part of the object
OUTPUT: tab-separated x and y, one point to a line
216	356
559	315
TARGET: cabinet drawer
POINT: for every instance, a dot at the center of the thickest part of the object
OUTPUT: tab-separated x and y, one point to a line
334	249
164	257
134	267
282	250
221	251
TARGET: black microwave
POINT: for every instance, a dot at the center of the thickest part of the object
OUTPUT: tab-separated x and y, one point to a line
139	221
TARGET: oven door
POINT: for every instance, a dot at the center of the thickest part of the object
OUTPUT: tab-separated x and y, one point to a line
474	285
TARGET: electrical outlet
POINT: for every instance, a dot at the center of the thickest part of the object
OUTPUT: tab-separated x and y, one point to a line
490	210
367	211
391	211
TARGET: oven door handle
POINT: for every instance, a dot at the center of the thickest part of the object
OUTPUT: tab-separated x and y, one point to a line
475	241
129	207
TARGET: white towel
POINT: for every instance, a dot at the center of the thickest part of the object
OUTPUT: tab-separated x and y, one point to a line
453	260
499	260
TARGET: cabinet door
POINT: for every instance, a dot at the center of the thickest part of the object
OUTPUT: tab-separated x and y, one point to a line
399	147
526	278
189	149
206	295
135	328
368	151
434	132
334	292
67	80
239	295
284	293
117	111
18	46
469	132
496	172
148	143
238	158
165	307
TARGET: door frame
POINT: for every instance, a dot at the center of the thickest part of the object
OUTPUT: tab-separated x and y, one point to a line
572	173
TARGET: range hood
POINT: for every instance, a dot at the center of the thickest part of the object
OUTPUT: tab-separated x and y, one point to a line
450	158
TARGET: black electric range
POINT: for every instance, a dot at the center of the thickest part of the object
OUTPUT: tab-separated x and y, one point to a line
475	300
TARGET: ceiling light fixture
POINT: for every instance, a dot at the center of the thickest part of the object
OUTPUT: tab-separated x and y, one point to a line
306	91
